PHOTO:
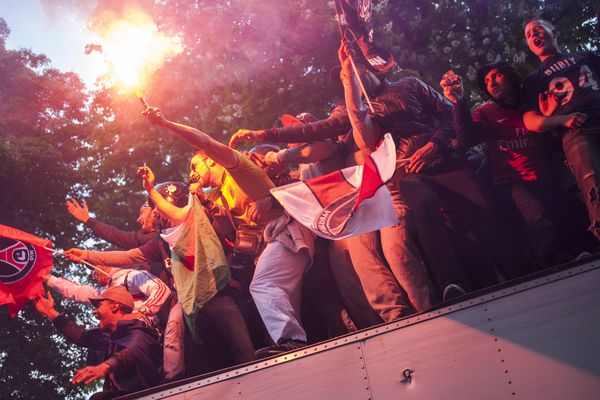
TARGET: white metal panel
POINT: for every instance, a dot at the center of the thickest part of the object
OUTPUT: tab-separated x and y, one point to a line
311	373
533	340
449	358
549	338
338	373
541	343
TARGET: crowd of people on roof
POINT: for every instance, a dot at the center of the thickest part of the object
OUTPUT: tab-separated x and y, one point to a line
482	196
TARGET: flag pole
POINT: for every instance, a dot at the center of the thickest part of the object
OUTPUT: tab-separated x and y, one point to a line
81	261
358	79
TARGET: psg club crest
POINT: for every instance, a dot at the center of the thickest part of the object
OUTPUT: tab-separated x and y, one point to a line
16	260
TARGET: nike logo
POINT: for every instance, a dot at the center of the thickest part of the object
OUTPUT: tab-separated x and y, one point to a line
501	120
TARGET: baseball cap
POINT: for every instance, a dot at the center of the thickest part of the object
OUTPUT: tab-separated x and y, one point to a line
118	294
302	118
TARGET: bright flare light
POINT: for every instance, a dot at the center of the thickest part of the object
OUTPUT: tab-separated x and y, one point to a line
134	48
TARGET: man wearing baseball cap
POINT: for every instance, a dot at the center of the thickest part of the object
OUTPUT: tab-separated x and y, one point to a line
145	248
130	351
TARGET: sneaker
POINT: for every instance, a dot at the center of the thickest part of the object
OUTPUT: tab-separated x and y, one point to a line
452	291
282	346
582	255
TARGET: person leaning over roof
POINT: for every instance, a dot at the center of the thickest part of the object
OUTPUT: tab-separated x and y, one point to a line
230	325
143	248
131	351
152	296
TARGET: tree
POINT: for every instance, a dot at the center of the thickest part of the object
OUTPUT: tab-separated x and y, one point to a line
41	119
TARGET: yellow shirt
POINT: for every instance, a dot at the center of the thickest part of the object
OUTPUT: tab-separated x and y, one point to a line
242	185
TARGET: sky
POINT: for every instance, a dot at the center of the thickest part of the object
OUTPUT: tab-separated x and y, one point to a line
61	35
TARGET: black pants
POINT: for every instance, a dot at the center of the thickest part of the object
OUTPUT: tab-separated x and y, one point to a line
224	333
458	196
582	151
532	209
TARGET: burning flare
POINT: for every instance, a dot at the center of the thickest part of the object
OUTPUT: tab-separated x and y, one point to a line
132	46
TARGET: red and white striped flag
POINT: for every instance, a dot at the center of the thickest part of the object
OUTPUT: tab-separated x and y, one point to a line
346	202
24	262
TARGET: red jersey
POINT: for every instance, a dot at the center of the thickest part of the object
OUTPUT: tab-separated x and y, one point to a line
514	152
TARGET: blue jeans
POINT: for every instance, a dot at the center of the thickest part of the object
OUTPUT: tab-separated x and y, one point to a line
394	279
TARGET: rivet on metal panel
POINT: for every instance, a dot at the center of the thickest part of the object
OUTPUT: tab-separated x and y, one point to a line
407	376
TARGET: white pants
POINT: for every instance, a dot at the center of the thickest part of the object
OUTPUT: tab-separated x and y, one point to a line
276	289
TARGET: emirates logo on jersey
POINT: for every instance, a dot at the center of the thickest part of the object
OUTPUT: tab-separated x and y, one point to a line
16	260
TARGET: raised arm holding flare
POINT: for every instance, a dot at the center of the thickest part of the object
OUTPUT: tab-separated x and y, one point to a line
210	147
289	248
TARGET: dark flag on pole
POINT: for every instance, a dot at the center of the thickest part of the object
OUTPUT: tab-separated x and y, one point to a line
24	261
356	23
